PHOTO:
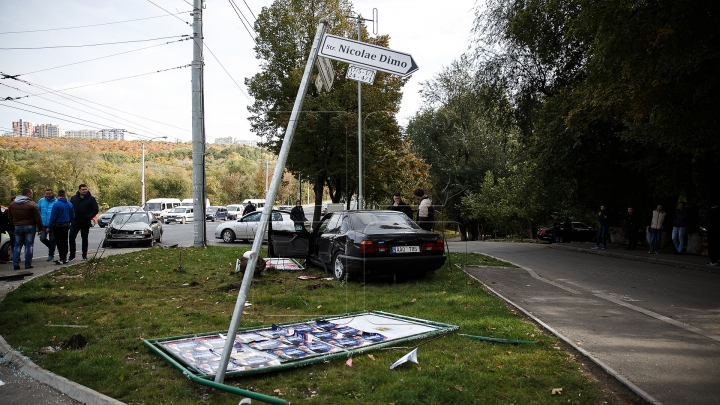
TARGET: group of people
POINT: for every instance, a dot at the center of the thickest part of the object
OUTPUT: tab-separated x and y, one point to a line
55	219
425	212
680	223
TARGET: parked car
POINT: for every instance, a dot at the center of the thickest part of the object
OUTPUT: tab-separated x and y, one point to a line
245	227
140	227
214	213
104	219
180	214
234	211
580	233
5	248
371	242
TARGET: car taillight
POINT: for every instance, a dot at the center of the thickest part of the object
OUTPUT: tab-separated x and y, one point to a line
438	245
367	246
542	232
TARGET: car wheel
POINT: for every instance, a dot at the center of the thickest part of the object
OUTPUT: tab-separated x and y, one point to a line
167	222
104	243
6	252
228	236
558	239
102	225
339	267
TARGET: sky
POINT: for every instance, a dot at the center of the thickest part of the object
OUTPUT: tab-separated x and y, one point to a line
127	91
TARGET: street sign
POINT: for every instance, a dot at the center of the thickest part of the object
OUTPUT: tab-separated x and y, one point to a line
367	55
319	84
360	74
326	72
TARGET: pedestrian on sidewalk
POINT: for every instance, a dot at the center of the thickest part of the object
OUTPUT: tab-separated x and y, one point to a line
603	219
680	222
631	229
567	229
556	237
24	215
426	211
60	218
86	208
399	205
712	227
46	236
655	228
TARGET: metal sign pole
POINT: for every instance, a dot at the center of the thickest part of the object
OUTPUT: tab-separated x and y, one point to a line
269	200
360	172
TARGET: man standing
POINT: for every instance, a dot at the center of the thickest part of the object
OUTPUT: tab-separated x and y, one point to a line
426	212
679	226
655	228
60	218
631	229
250	207
85	208
399	205
297	214
24	215
46	236
603	217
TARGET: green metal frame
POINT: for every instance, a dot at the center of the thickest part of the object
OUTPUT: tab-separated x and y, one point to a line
200	377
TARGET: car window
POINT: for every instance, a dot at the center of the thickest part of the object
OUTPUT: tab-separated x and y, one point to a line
323	226
334	224
363	221
255	217
344	226
276	216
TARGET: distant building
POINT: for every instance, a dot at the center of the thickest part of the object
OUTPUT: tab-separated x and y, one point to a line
246	143
112	134
81	134
49	131
23	128
225	141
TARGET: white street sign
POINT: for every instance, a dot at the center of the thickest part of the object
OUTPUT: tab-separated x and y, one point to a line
368	55
326	72
360	74
319	83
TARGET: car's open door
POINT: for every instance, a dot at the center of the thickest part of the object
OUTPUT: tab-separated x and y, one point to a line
291	244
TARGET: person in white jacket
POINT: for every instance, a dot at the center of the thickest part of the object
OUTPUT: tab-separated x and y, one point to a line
655	228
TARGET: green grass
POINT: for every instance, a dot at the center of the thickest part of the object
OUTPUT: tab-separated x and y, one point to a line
144	295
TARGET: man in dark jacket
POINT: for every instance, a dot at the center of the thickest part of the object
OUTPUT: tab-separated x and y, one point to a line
24	215
631	229
249	208
61	216
603	219
680	221
399	205
297	214
85	208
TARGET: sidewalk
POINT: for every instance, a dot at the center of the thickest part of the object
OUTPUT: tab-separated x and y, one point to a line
687	261
23	382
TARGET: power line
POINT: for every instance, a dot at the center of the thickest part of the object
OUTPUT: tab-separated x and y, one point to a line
88	45
170	13
228	73
70	97
238	12
86	26
103	57
246	5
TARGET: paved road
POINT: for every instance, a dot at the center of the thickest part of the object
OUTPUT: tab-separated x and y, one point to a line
657	326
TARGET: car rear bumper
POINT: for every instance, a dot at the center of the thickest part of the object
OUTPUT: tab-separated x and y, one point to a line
394	264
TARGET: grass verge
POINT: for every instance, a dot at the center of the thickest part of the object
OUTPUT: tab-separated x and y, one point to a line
168	292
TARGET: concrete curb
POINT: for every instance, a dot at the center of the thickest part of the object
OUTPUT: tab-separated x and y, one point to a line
71	389
637	390
653	260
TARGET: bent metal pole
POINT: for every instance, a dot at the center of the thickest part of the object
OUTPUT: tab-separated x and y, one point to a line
267	210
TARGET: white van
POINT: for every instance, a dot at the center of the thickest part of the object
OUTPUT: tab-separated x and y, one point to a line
259	203
188	202
161	206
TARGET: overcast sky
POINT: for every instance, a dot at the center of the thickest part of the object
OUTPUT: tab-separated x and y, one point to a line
434	33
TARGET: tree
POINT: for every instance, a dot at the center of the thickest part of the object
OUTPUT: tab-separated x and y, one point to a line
323	142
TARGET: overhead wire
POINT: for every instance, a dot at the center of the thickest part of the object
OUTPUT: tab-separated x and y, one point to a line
103	57
239	13
89	45
91	25
170	13
246	5
226	71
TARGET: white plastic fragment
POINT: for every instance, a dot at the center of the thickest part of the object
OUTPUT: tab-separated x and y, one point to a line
412	356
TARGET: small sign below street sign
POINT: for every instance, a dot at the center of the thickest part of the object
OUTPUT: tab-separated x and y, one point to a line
367	55
326	73
360	74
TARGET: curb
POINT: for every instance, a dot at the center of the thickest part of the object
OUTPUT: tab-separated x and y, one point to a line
637	390
653	260
71	389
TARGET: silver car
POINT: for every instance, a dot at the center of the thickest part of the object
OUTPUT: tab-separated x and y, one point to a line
246	227
140	227
106	217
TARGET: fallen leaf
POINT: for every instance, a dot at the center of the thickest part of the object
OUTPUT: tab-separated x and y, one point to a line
459	388
557	391
371	357
414	300
349	362
319	306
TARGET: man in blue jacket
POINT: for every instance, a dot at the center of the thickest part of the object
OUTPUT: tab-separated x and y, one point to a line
46	236
60	218
85	210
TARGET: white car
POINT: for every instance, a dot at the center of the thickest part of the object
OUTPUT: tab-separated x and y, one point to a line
234	211
180	215
5	248
245	227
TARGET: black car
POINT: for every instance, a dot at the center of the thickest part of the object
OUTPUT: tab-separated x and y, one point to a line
370	242
580	233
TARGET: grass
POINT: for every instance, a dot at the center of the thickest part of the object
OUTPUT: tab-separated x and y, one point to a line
148	294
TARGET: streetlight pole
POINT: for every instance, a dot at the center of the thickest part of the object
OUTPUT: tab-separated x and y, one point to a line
142	170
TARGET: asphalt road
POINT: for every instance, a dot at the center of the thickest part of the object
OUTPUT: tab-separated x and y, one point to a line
657	326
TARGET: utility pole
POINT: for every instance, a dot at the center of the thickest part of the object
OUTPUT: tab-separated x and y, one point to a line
198	128
360	171
142	177
266	178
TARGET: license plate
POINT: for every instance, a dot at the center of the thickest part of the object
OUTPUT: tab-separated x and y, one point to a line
406	249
